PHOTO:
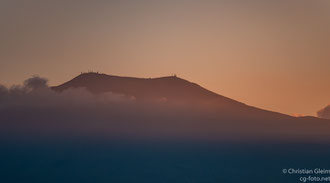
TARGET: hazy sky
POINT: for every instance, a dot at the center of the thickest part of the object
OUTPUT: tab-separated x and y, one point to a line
270	54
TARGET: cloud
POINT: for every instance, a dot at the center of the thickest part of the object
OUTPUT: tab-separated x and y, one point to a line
35	92
324	113
36	82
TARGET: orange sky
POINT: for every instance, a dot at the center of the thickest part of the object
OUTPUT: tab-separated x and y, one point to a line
273	55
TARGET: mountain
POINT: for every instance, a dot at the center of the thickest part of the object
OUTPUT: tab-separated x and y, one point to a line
203	113
171	89
166	108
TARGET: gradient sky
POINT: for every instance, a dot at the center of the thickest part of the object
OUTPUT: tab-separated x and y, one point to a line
270	54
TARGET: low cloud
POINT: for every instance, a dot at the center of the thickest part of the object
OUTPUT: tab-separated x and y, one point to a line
36	82
324	113
36	92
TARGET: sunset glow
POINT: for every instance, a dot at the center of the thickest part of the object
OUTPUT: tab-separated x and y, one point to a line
171	91
269	54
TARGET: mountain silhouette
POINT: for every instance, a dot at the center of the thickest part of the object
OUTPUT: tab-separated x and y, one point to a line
171	89
165	107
